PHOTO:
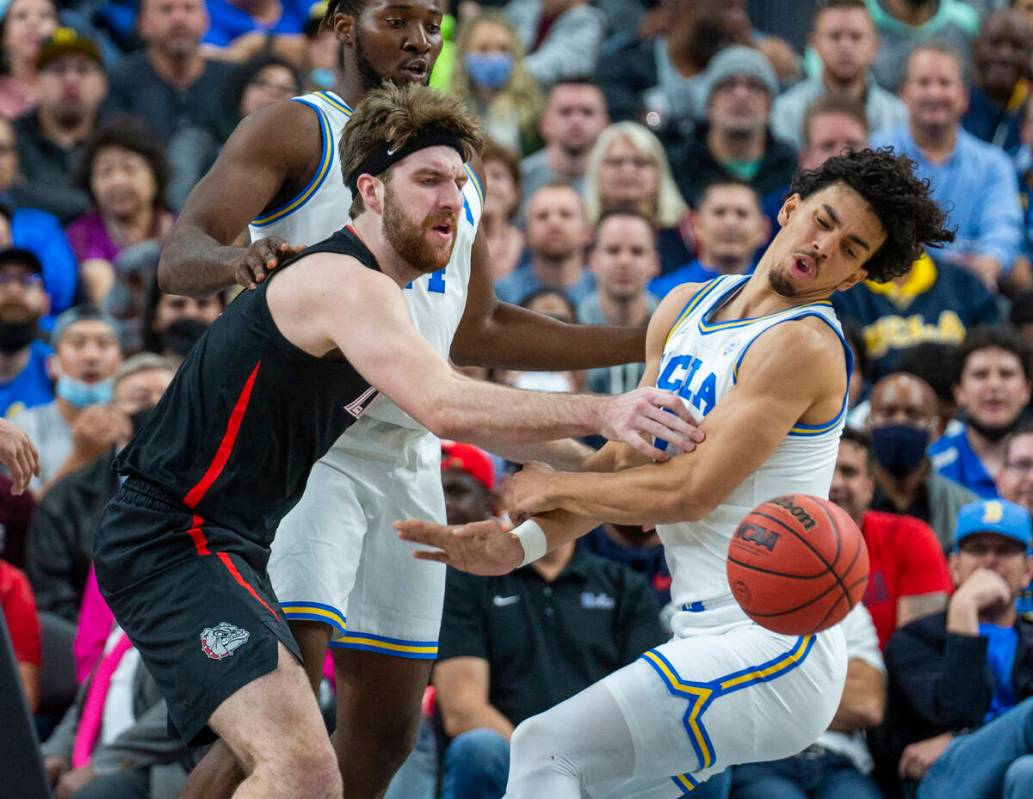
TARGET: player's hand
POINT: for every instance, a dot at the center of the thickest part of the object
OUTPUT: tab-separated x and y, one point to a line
19	456
918	757
656	413
985	590
478	548
261	258
527	492
98	428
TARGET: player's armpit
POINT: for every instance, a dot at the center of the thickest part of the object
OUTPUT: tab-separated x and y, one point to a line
789	372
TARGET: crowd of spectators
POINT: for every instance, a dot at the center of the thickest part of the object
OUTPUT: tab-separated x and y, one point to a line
632	146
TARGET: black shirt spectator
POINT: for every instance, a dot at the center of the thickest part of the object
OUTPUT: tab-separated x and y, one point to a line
15	512
72	88
545	641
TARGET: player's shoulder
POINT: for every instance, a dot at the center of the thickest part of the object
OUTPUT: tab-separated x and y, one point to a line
284	130
806	338
674	303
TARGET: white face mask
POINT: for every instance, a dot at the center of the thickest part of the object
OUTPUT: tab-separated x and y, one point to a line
544	381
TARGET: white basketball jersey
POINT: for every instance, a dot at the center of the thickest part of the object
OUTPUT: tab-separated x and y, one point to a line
436	302
700	362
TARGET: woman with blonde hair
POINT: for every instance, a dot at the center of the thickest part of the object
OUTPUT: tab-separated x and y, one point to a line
489	76
628	167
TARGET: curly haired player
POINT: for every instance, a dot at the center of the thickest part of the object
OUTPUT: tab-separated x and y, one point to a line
761	363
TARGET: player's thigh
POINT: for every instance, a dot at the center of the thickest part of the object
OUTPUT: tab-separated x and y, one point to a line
271	714
379	690
318	545
701	704
395	604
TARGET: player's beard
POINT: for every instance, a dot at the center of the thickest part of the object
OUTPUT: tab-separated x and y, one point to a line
781	286
408	238
368	77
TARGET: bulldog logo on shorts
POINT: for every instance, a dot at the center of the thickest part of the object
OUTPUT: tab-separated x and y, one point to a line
222	640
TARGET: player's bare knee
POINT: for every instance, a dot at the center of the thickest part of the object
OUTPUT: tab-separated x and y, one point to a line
310	768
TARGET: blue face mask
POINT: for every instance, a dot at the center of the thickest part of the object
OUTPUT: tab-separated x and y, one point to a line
489	70
899	448
79	394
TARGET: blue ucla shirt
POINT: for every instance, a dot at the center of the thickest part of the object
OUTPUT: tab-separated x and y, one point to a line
953	457
1003	641
30	387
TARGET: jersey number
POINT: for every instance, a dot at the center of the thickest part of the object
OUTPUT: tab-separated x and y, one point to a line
436	284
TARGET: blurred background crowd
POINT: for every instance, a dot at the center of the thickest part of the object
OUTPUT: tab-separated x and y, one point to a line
634	145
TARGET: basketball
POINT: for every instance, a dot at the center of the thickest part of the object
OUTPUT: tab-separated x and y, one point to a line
797	564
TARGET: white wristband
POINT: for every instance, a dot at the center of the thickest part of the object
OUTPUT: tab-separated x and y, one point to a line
532	538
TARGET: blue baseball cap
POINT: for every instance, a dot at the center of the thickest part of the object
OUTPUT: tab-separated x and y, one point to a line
997	516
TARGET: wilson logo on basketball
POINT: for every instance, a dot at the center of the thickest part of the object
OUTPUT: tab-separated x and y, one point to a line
222	640
758	535
798	513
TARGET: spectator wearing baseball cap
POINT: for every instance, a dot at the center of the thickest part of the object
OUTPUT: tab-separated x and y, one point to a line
80	423
72	87
468	478
738	89
961	681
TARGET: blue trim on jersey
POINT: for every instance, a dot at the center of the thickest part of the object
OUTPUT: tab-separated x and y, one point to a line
315	611
692	304
686	783
701	694
476	183
335	101
707	329
801	429
325	160
399	647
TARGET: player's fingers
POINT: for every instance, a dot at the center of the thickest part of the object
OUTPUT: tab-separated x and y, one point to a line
685	431
418	531
673	403
434	555
19	474
473	529
641	445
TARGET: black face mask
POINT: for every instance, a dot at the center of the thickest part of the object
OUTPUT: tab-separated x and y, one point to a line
16	336
181	335
899	448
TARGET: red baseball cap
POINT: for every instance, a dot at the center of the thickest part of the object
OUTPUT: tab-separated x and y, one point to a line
470	459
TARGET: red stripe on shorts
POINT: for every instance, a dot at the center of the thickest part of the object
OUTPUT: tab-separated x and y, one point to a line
228	563
197	534
229	438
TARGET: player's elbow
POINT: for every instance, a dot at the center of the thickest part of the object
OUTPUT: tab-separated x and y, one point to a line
687	505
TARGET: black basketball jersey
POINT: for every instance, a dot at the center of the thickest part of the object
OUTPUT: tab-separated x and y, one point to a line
248	414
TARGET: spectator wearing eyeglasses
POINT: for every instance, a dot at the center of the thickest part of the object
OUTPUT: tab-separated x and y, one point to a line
25	379
1015	479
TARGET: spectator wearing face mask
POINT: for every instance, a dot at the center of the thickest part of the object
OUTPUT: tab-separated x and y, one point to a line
489	76
902	420
172	323
907	573
61	532
79	424
993	390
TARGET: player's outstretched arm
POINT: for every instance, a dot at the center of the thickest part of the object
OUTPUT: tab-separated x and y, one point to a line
503	336
364	315
269	149
793	372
